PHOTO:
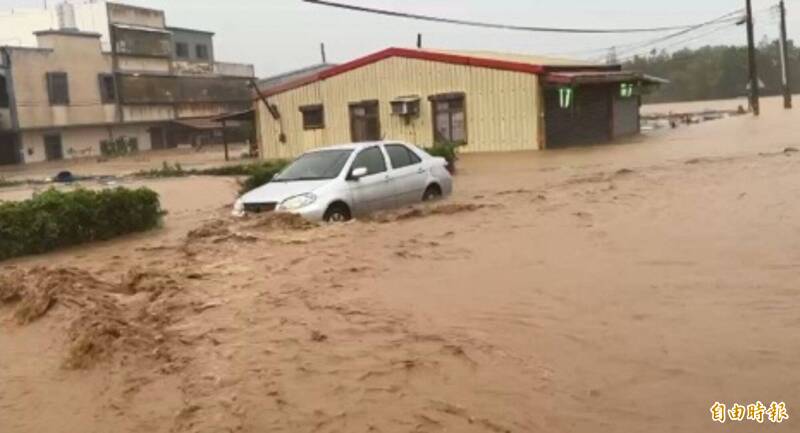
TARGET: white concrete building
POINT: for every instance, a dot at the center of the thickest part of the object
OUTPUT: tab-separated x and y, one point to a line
91	78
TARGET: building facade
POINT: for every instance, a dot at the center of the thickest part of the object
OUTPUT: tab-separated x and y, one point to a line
109	79
488	102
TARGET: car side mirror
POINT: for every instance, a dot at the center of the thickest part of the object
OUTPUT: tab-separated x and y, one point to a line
358	173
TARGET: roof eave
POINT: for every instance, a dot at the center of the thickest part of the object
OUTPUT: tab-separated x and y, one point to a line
613	77
190	30
410	54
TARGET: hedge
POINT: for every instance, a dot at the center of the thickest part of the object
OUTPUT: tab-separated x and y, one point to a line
55	219
8	183
251	169
261	174
257	174
176	170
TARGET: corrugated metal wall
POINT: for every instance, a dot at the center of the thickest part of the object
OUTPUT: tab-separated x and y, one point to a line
501	106
626	116
587	121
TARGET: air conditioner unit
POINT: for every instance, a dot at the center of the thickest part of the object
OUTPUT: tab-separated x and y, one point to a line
406	106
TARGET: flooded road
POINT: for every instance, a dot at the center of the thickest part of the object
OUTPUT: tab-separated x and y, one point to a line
604	289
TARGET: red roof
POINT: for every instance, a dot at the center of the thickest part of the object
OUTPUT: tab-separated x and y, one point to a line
455	59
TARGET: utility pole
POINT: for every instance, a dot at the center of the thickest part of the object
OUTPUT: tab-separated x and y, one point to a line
612	58
419	41
787	87
225	140
751	58
322	53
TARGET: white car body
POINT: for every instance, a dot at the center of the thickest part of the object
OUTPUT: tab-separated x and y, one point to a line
406	182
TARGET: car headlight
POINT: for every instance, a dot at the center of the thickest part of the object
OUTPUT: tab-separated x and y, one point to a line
297	202
238	208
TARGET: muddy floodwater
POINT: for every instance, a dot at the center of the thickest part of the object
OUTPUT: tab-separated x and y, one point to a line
622	288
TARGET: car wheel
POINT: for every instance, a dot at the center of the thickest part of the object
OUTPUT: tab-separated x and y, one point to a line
337	213
432	193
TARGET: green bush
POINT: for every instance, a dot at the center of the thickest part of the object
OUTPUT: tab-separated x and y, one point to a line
119	146
55	219
256	174
258	168
446	150
244	169
166	170
9	183
261	174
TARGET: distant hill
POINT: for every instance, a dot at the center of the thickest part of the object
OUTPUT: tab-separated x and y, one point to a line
715	72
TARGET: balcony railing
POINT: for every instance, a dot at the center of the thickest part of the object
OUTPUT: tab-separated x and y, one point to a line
144	42
234	69
155	89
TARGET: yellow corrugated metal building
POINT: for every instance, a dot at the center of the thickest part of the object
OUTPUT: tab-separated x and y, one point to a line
487	101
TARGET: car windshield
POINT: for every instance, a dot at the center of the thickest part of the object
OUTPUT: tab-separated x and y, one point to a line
325	164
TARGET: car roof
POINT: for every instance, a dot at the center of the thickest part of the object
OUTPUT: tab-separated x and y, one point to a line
353	146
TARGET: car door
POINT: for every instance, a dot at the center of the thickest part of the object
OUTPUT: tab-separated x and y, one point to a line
375	190
408	173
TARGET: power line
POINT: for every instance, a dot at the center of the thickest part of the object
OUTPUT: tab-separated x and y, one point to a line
636	46
726	23
397	14
673	58
729	17
642	48
682	41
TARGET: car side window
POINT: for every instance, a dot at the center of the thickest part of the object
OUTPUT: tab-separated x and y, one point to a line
415	159
401	156
372	159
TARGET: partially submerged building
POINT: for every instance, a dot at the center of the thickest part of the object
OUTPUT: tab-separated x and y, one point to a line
485	101
103	77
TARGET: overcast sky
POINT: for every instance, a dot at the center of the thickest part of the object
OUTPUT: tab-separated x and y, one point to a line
280	35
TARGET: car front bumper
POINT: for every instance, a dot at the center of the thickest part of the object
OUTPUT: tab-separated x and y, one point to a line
314	212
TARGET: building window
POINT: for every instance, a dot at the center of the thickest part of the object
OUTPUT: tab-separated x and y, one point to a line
58	88
365	123
313	116
449	118
201	51
108	93
182	50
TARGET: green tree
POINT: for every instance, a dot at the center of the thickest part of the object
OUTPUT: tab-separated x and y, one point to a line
715	72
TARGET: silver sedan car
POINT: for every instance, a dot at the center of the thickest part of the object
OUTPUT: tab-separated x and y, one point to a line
341	182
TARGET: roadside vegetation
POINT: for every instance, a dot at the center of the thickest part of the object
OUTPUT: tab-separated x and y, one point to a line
254	174
713	72
448	151
261	174
176	170
55	219
166	170
4	183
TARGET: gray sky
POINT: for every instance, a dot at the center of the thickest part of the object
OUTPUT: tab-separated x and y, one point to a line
280	35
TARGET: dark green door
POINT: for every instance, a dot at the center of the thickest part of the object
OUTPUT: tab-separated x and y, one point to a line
9	150
52	147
